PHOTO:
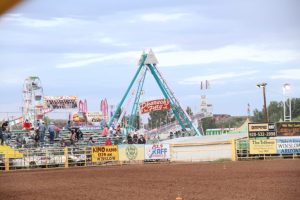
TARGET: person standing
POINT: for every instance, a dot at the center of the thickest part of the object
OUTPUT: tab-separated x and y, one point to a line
51	129
68	126
42	131
2	132
1	135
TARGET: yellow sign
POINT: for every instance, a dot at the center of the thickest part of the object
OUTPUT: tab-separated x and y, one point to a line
132	152
258	127
263	146
105	153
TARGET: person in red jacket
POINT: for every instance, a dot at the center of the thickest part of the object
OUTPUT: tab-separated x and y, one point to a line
27	125
108	142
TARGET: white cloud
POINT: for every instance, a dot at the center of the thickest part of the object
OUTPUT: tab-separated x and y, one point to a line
196	80
110	41
80	61
171	55
287	74
159	17
40	23
227	54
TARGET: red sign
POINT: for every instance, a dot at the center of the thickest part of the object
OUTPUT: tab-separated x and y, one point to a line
159	104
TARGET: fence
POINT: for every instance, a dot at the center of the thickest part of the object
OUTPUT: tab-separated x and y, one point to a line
83	156
262	149
241	149
113	155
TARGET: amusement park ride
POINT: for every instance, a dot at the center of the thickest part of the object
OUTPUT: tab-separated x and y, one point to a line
33	105
34	108
148	62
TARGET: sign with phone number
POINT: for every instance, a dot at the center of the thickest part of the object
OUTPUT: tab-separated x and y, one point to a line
262	134
261	130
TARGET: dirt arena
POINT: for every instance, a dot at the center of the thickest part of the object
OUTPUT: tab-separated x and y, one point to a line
278	179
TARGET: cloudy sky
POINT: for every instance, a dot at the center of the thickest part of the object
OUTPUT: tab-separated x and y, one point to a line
91	48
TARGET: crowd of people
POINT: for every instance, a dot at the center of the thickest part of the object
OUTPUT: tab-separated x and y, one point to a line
40	134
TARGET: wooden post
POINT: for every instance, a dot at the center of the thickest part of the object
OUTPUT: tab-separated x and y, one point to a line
66	158
6	161
233	150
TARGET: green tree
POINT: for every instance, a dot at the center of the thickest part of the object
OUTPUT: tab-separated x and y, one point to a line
208	123
295	107
258	116
275	111
159	118
189	111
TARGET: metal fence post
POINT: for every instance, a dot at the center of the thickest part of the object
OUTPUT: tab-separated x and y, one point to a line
66	158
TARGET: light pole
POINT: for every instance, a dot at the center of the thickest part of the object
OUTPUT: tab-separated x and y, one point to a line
287	107
263	86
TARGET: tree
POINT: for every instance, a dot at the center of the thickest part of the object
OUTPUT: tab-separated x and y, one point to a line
275	111
159	118
295	103
189	111
208	123
258	116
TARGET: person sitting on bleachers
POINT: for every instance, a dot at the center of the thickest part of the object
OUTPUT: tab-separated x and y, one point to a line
129	139
108	142
105	131
91	142
19	140
73	137
62	142
141	140
135	138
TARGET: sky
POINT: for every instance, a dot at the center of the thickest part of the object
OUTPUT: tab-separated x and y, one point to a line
91	49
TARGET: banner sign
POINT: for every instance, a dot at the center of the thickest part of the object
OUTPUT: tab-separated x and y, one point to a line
157	152
93	117
131	152
263	146
159	104
60	102
288	128
79	117
288	145
261	130
105	153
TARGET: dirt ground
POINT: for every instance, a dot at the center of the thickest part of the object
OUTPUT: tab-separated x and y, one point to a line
278	179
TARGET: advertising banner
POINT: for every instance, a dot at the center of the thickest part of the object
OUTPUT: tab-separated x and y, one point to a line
93	117
129	152
263	146
288	128
288	145
60	102
157	151
79	117
261	130
159	104
105	153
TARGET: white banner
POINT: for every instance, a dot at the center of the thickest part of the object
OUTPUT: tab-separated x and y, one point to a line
94	117
157	151
288	145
